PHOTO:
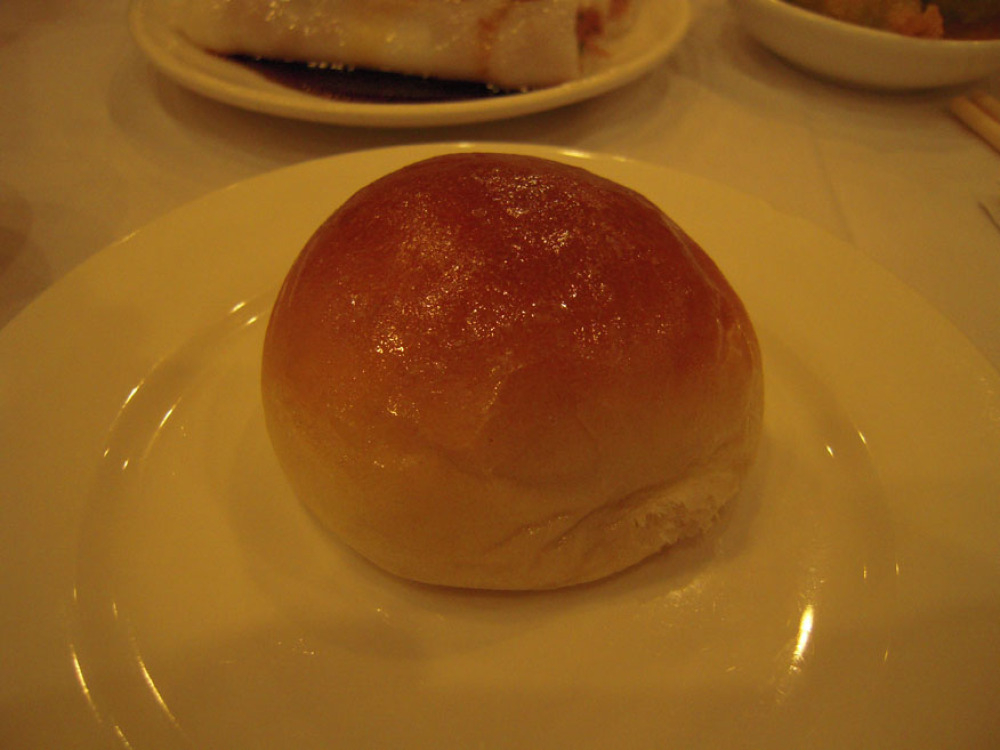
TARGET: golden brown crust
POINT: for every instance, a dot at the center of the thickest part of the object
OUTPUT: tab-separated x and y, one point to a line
483	344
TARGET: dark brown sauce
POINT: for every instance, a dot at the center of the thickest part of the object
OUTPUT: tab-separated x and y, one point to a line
366	86
972	31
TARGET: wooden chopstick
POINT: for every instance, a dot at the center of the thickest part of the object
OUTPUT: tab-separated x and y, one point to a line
980	113
986	103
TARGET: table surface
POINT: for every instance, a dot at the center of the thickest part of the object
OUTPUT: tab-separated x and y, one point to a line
94	143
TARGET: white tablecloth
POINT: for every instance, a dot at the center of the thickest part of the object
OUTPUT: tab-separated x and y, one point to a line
94	143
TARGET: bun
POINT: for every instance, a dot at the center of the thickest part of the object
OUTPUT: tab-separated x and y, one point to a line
503	372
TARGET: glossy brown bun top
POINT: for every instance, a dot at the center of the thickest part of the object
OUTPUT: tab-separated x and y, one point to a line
501	371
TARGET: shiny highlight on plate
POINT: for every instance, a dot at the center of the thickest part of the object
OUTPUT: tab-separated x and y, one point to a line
805	635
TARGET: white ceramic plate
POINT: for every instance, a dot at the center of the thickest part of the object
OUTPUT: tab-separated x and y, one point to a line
860	56
161	585
659	28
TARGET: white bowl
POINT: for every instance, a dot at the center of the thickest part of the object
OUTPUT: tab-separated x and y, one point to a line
861	56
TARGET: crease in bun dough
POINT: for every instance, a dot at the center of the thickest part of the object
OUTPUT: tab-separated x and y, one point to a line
499	371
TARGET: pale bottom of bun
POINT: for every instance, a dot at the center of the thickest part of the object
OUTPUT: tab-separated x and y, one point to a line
412	517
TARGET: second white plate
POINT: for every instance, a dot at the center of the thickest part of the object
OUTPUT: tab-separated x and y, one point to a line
661	25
